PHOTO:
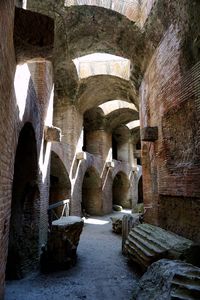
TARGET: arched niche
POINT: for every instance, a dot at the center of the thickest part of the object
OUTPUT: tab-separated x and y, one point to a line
140	190
60	185
121	190
92	193
24	222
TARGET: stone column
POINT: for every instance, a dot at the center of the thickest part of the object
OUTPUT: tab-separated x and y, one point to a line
99	142
123	152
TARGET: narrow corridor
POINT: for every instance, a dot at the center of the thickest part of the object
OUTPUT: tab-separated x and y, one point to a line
101	271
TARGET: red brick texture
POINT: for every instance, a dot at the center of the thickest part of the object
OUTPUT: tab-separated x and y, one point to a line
171	168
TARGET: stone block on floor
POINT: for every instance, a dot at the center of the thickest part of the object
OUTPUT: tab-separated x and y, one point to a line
147	243
62	244
169	279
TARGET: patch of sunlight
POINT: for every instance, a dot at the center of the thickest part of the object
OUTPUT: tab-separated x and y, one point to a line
45	150
44	160
126	211
102	64
21	84
133	124
24	5
95	221
49	115
113	105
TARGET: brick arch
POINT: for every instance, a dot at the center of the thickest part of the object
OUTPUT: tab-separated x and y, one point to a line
24	230
92	193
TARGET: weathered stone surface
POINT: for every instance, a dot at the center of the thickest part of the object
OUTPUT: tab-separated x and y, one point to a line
117	224
62	244
117	207
128	222
147	243
52	134
106	87
96	118
124	8
167	279
138	208
35	44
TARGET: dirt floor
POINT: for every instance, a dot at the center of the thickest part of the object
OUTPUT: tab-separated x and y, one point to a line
101	272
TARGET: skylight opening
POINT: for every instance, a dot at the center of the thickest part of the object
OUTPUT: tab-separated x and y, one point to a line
113	105
102	64
133	124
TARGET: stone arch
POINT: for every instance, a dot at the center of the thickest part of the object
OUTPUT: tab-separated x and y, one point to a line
99	89
92	192
60	185
121	116
126	8
32	44
121	189
84	30
24	230
78	21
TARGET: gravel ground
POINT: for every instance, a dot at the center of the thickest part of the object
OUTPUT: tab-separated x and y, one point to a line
101	272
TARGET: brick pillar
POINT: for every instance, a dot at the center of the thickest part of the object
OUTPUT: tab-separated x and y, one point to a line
70	121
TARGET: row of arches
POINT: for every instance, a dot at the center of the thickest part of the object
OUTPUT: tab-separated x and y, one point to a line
25	207
92	188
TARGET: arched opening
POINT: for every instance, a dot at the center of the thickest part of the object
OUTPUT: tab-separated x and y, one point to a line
24	231
60	186
120	146
114	148
140	190
92	193
102	63
121	187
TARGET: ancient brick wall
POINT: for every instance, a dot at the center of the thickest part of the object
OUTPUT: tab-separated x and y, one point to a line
180	172
170	100
36	91
7	134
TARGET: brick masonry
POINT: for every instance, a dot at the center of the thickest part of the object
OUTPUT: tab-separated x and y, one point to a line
7	125
38	94
169	100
